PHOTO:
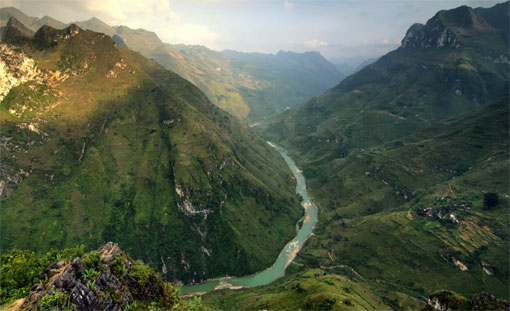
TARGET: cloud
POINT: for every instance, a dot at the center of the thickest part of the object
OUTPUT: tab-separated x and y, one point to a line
385	41
154	15
118	11
288	5
315	43
188	34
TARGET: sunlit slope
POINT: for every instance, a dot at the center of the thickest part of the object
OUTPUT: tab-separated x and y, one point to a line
250	86
102	144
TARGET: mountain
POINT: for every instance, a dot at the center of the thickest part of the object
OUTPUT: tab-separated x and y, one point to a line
250	86
348	68
365	63
101	144
97	25
32	23
453	64
405	157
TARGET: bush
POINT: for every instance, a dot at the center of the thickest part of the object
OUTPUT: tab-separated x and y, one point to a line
20	269
92	261
56	300
490	200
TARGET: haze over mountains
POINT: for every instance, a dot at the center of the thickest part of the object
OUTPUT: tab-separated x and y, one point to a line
250	86
407	159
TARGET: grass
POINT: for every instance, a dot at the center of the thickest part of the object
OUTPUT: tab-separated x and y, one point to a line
301	289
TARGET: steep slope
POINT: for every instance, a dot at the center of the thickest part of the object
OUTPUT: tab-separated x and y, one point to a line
250	86
402	186
453	64
411	212
99	143
404	220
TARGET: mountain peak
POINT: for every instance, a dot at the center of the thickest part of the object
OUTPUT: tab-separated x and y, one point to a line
16	32
434	34
48	36
444	28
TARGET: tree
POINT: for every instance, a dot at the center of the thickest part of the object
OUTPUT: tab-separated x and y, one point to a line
490	200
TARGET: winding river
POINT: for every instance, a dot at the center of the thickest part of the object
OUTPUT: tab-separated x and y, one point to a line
287	255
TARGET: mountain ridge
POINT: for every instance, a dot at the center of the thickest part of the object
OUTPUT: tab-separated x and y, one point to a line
251	88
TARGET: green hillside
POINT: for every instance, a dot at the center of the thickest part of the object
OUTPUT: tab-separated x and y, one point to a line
251	86
387	239
101	144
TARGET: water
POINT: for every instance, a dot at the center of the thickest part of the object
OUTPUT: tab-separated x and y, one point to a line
289	252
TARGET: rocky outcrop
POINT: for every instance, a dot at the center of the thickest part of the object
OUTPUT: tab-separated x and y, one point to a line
16	68
15	32
434	34
103	280
449	301
48	36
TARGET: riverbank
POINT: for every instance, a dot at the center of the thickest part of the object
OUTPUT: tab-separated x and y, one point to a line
286	256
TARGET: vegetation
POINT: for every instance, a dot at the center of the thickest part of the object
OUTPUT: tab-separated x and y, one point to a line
310	289
454	301
400	157
250	86
114	147
490	200
21	270
405	90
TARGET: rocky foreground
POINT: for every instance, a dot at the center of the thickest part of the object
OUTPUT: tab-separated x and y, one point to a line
106	279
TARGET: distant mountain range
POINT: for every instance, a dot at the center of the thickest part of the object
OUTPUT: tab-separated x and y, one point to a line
453	64
250	86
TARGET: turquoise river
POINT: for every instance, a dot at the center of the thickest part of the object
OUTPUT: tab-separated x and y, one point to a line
287	255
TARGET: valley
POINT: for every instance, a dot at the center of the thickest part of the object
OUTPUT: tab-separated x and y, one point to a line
142	175
288	253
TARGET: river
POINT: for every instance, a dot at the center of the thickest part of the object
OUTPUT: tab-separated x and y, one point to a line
288	253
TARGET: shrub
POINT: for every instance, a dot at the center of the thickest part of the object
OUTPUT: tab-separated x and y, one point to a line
490	200
56	300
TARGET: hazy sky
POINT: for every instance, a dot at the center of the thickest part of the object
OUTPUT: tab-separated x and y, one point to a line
339	29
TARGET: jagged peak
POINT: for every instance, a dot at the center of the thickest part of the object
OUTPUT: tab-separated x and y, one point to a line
48	36
441	30
16	32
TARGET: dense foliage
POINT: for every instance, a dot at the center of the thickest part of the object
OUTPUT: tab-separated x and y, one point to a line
20	269
115	147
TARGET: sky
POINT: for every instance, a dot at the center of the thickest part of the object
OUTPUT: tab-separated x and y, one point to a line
341	30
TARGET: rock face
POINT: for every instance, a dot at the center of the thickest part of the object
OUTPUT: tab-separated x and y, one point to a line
434	34
16	68
48	36
447	301
442	30
15	32
103	280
